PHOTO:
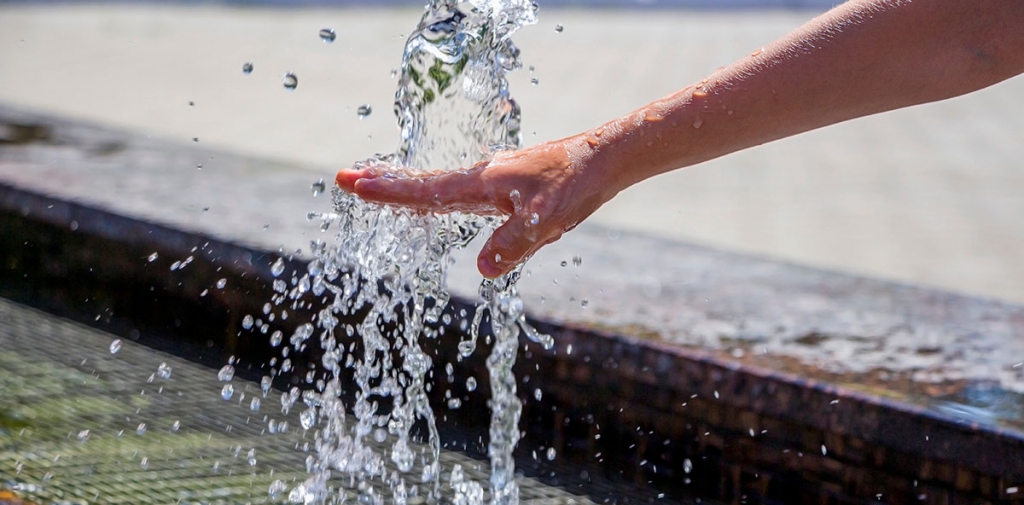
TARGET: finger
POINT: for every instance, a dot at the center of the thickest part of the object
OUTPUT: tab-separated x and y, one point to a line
509	245
347	177
443	192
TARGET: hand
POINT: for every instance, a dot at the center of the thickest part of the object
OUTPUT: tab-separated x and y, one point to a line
545	191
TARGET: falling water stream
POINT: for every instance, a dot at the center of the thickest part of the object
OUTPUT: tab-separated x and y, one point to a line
388	269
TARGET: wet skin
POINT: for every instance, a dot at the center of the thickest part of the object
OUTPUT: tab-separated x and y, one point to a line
861	58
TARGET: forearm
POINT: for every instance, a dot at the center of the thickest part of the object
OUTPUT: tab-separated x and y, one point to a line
864	57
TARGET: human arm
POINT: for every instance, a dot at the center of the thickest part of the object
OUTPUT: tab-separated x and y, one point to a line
864	57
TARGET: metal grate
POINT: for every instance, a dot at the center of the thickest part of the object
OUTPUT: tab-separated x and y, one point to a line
59	379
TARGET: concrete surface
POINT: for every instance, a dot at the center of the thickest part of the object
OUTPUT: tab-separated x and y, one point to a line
959	355
929	195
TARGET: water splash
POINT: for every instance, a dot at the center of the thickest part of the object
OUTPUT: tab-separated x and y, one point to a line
389	266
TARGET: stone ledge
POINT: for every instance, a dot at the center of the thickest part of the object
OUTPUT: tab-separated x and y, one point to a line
663	321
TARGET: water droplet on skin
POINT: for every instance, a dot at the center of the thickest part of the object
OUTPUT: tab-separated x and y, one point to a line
559	28
226	373
364	110
221	283
290	81
115	346
247	68
164	371
516	198
328	35
227	391
700	92
697	122
318	187
278	267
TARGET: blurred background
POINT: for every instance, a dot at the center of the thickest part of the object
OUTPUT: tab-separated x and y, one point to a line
932	195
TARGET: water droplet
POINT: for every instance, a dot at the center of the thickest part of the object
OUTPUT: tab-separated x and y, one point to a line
824	451
195	139
176	426
327	35
364	110
697	122
141	429
564	263
471	384
454	404
227	391
83	435
538	394
250	457
153	257
534	220
278	267
319	187
551	454
247	322
534	81
559	28
145	463
221	283
307	419
265	384
115	346
276	488
163	371
247	67
254	405
687	465
290	81
577	261
394	73
226	373
275	338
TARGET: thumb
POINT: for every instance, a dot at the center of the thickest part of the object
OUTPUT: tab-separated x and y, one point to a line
511	244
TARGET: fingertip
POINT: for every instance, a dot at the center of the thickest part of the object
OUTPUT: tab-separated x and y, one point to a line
347	178
487	265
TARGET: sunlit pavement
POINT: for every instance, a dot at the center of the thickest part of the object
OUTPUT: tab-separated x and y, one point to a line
929	195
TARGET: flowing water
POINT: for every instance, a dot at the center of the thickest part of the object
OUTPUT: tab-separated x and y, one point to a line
388	270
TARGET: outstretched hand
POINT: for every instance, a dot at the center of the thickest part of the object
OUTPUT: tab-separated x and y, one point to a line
545	191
